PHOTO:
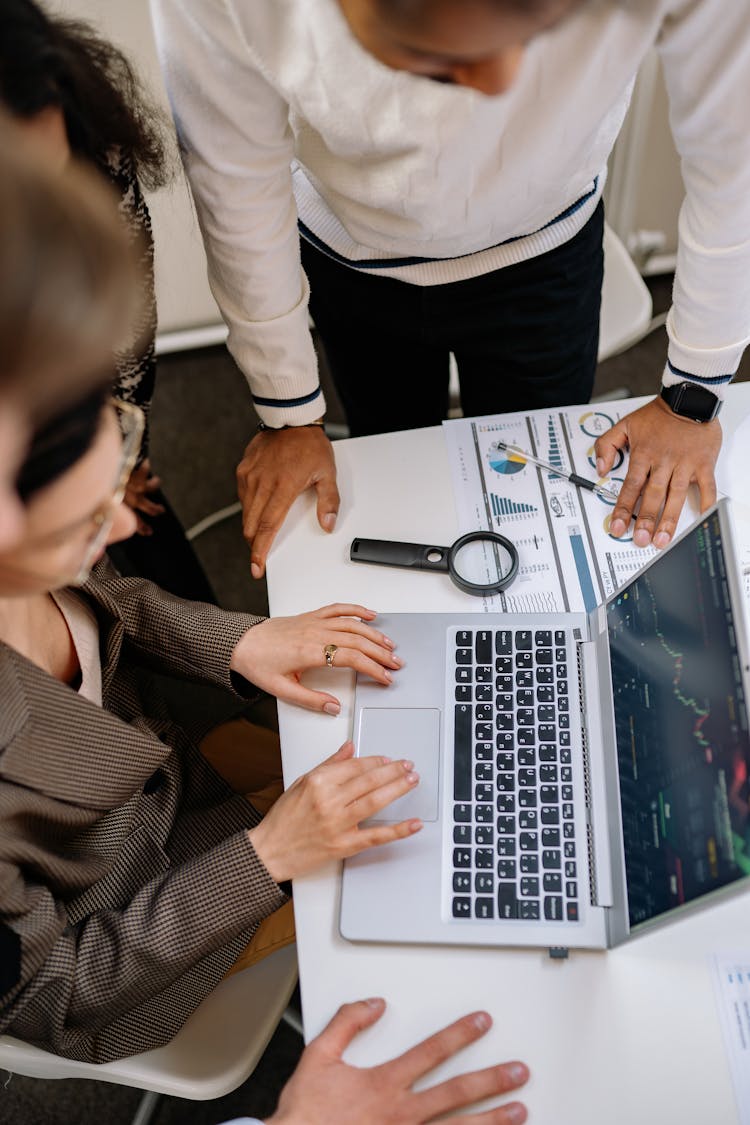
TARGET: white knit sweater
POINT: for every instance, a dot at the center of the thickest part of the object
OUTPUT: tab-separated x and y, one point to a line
284	117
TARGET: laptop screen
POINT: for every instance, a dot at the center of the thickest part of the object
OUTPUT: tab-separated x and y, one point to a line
681	725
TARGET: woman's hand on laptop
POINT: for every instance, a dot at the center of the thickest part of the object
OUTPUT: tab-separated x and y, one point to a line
324	1090
317	819
274	653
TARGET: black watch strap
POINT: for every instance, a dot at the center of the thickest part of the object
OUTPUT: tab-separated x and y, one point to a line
689	400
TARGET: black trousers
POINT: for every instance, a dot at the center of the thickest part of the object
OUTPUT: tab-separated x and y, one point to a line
525	336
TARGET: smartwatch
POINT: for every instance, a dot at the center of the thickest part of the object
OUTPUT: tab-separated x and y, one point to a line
689	400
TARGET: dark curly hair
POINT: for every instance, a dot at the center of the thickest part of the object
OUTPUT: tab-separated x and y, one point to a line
48	61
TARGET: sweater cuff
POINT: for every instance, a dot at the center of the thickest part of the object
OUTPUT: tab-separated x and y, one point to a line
717	384
712	368
280	364
300	411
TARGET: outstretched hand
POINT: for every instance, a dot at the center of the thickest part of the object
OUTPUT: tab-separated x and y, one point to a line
273	654
324	1090
276	467
317	818
667	454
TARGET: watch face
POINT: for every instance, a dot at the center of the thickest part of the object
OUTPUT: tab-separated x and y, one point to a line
692	401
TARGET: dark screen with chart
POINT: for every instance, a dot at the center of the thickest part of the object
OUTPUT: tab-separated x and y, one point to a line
682	732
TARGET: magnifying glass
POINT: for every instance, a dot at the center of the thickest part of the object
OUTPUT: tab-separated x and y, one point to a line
479	563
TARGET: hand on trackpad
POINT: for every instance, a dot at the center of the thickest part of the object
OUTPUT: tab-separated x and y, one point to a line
405	732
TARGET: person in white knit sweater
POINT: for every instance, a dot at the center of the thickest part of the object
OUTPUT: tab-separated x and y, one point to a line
437	167
57	337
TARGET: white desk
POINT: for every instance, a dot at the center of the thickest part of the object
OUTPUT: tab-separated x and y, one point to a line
628	1037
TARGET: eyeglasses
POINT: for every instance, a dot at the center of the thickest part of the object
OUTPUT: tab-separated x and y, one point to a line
131	421
93	528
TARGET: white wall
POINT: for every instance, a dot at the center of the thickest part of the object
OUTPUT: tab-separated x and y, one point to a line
183	297
645	189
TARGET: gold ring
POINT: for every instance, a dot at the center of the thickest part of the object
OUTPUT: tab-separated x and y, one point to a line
329	651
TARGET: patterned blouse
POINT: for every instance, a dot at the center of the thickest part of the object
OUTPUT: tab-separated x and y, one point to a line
135	360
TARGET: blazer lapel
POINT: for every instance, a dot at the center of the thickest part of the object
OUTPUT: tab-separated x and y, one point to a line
14	710
112	633
65	746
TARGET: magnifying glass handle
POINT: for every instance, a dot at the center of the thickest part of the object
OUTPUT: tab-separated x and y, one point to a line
413	556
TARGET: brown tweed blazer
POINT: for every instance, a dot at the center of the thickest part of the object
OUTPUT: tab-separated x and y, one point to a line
127	883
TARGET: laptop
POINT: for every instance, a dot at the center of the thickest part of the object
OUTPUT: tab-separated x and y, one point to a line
583	776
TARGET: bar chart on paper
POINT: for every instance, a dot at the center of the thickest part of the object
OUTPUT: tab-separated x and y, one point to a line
502	506
554	451
583	570
568	560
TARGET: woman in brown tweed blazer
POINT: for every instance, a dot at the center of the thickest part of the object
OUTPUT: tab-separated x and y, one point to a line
323	1088
131	875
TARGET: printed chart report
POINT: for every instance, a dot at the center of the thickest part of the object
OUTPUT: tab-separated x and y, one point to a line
568	559
731	973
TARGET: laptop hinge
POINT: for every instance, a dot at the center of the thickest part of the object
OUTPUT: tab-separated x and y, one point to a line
600	865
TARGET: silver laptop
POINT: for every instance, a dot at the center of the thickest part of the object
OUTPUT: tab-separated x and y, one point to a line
582	776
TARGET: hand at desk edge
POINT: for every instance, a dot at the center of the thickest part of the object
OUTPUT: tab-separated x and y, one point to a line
276	467
324	1090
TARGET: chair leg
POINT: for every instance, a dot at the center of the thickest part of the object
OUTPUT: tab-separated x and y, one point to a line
292	1019
147	1107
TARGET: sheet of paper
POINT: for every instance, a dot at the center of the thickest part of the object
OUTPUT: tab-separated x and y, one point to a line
741	524
731	976
568	560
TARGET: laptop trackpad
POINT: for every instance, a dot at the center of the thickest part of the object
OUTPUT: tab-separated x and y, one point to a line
405	732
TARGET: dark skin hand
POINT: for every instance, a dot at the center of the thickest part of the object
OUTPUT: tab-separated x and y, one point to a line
276	468
141	483
667	455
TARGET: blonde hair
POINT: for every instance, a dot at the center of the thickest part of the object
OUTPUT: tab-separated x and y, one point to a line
68	279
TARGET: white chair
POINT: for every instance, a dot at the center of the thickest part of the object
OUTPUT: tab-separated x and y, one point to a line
215	1051
626	301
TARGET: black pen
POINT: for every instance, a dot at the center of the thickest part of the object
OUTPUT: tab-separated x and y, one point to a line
580	482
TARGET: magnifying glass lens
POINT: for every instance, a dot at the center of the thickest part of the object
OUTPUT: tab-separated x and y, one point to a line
483	562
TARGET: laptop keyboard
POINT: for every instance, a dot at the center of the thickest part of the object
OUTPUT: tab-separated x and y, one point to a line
514	848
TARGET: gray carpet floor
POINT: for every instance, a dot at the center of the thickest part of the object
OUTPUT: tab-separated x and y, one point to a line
202	419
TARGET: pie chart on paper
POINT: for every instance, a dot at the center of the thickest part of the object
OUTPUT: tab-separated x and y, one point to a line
504	462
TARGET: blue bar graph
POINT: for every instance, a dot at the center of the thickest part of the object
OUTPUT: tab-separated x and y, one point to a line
503	507
555	456
582	566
